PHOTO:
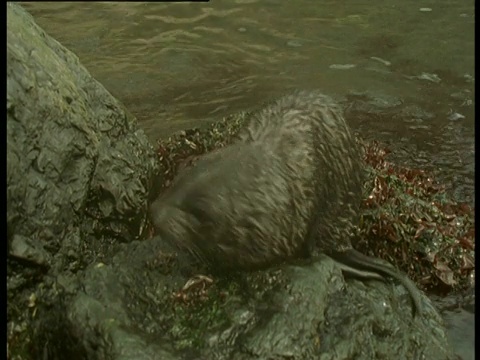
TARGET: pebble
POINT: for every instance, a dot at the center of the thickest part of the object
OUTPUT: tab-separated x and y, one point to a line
25	248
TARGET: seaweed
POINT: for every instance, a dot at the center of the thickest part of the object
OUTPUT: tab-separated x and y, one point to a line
184	147
409	219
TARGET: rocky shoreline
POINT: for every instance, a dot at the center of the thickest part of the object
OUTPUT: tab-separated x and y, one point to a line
86	279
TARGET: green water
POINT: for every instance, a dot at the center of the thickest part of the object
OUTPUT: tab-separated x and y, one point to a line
178	65
175	65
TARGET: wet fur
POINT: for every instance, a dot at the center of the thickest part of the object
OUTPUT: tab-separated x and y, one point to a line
288	186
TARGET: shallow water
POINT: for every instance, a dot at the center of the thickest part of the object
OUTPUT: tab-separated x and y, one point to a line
461	332
178	65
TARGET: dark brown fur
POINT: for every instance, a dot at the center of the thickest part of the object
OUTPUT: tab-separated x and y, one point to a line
290	184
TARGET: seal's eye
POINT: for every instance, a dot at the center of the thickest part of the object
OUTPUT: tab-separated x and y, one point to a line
198	207
200	214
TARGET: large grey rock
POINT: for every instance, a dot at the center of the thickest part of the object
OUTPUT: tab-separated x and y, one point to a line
78	167
126	310
75	156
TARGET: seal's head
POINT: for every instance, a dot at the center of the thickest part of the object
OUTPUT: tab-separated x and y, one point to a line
231	209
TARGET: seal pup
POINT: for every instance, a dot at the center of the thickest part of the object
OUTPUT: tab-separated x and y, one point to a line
288	186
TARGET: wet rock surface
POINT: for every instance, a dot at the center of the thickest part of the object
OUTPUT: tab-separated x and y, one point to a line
85	283
130	309
78	170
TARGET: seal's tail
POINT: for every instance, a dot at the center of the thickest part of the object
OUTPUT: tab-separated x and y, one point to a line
356	264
